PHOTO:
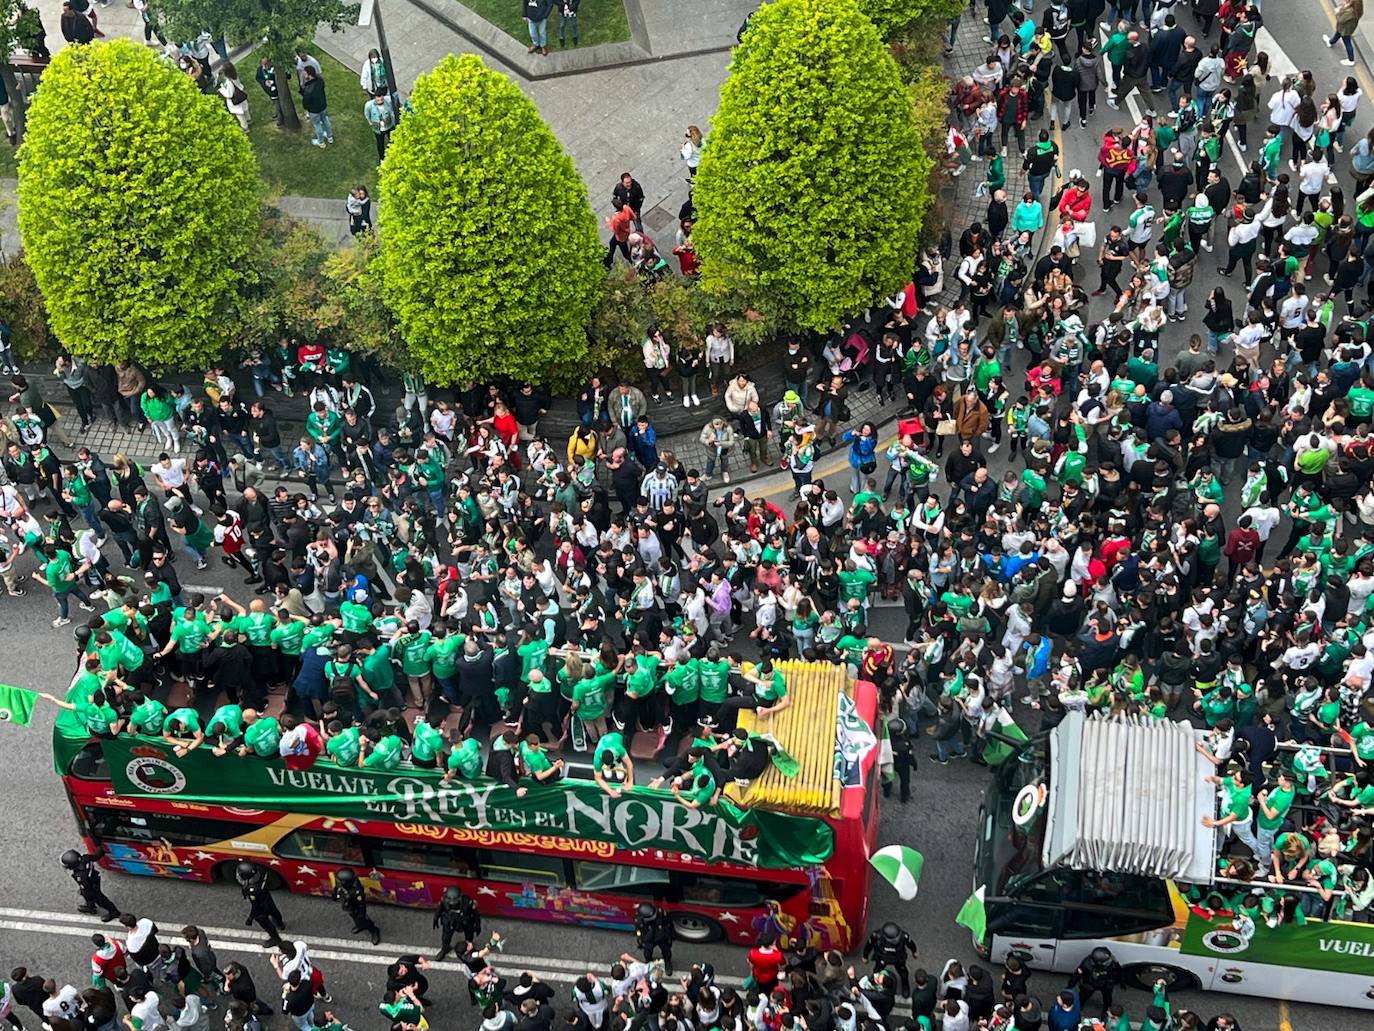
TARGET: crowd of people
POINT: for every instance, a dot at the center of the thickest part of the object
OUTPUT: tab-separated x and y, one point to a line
467	571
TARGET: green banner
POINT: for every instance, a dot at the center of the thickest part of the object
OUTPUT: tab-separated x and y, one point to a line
640	819
1336	946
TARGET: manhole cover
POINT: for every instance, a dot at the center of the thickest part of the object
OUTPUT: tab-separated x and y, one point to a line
657	218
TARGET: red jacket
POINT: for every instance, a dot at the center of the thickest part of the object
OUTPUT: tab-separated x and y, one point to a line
1242	545
1076	204
1022	102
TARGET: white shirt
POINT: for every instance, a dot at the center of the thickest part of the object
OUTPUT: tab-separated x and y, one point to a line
63	1004
139	935
145	1013
1312	176
172	475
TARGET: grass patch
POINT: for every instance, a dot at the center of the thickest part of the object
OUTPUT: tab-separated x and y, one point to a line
598	21
288	162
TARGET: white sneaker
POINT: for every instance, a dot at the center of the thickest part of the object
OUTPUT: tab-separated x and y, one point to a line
1348	63
85	607
725	477
60	621
696	400
1326	40
686	401
993	450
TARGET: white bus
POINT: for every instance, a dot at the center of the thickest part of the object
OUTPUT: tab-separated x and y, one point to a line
1093	835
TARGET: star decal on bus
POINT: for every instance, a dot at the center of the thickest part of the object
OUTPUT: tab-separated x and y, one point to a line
306	869
727	918
484	890
201	856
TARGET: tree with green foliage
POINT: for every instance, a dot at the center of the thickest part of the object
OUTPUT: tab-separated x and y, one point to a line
813	181
891	16
278	25
138	206
490	259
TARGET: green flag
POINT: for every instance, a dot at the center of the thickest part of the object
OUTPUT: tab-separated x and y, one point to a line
16	705
974	915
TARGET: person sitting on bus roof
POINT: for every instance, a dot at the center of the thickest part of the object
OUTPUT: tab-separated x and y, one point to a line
614	771
344	744
300	743
181	729
381	751
747	756
702	790
464	761
767	697
537	762
501	763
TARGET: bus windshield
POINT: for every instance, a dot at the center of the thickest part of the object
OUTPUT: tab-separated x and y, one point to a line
1007	854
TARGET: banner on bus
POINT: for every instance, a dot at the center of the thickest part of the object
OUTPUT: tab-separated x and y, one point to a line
642	819
1333	945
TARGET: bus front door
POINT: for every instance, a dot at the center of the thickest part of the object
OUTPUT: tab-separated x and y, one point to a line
1031	931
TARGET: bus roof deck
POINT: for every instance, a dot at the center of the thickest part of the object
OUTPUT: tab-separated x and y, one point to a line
806	730
1127	795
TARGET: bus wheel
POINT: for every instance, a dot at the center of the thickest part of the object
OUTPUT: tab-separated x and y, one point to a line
1143	976
692	927
225	873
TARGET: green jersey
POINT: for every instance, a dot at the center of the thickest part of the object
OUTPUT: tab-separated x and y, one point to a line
427	743
385	754
414	652
191	635
187	720
263	737
443	656
257	627
536	759
344	746
591	694
227	720
681	683
317	635
614	743
643	681
533	656
466	759
714	680
120	652
357	619
378	670
58	572
148	717
98	719
855	584
1280	801
289	637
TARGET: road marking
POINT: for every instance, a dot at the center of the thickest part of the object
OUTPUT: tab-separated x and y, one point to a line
1280	64
1284	1023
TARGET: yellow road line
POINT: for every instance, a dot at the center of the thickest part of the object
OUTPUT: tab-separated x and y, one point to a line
1284	1023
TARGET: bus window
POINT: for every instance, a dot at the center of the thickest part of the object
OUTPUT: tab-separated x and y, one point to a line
625	880
726	891
1083	922
422	857
116	825
90	764
321	845
519	868
1023	921
1126	891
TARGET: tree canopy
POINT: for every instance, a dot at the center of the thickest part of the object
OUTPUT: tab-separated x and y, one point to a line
490	258
138	203
888	16
813	180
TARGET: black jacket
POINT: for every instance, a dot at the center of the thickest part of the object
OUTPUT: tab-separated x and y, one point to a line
312	96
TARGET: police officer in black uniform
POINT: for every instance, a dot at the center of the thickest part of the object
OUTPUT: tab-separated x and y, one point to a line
1100	972
262	908
456	913
348	891
653	930
888	947
87	877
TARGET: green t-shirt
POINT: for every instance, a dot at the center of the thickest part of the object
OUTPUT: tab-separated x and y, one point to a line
357	619
466	759
681	682
148	717
591	693
855	584
263	736
1280	801
414	649
427	743
644	680
192	634
187	717
317	635
98	719
256	626
533	655
227	720
773	689
58	572
120	652
714	679
378	671
853	648
614	743
536	759
443	656
289	637
344	746
1236	800
385	755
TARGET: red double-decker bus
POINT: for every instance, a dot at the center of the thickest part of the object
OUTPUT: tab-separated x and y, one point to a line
787	855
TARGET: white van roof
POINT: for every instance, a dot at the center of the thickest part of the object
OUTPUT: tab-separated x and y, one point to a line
1127	795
